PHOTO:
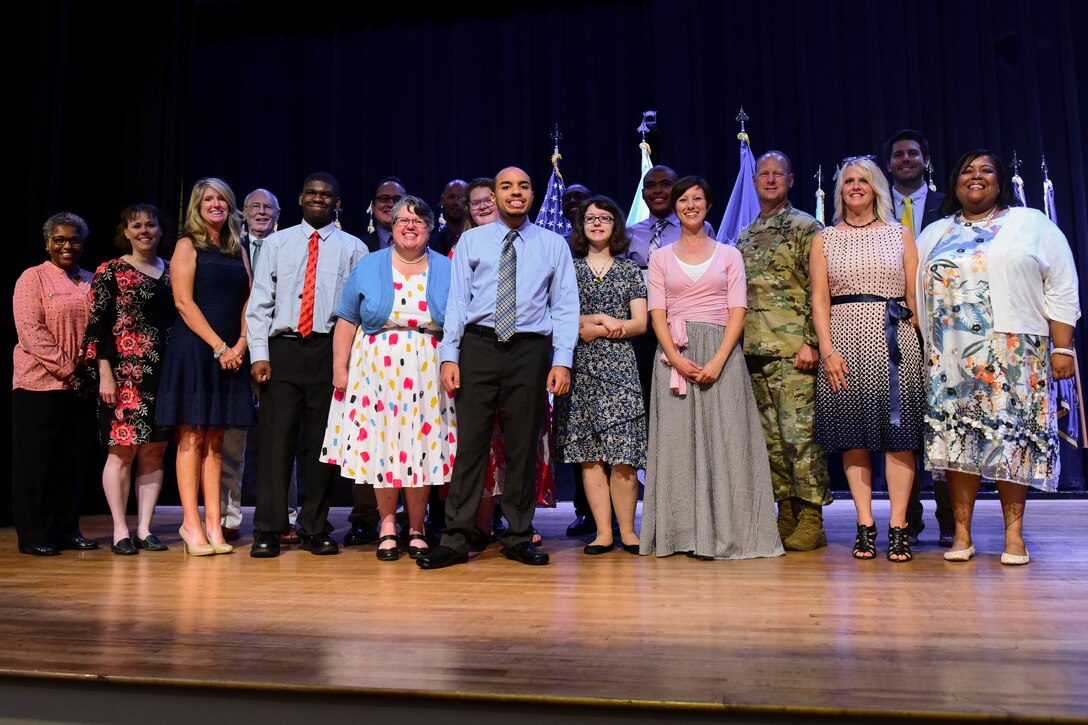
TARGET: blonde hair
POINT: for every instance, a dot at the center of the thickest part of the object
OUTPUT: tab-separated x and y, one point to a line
882	195
230	236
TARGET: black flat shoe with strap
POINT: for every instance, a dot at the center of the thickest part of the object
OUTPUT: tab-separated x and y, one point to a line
390	554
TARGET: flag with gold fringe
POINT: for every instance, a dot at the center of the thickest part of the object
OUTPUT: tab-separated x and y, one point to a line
639	210
550	215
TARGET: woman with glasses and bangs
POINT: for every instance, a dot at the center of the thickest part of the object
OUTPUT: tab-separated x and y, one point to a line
869	395
601	423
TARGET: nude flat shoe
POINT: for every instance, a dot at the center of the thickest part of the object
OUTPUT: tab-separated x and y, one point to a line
960	554
1014	559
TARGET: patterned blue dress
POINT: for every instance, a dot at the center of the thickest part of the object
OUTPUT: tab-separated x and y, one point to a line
990	413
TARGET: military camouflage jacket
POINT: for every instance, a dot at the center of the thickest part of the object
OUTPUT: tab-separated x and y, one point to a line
775	251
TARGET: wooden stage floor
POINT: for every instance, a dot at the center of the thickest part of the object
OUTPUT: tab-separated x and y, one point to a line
816	634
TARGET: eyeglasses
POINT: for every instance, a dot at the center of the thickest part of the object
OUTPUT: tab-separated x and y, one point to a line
70	241
480	203
404	222
387	199
261	207
607	220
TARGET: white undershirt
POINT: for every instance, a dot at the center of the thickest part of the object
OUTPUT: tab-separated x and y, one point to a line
695	271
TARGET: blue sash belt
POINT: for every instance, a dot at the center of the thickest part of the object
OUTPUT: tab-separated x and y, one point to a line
894	313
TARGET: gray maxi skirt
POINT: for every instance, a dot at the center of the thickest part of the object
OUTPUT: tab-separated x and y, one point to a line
708	478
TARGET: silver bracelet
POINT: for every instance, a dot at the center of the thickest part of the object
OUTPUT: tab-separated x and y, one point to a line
220	351
1063	351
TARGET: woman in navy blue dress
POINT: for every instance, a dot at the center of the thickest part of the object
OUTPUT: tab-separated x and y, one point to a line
205	388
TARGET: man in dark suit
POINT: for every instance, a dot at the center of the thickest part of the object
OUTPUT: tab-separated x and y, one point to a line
916	207
389	192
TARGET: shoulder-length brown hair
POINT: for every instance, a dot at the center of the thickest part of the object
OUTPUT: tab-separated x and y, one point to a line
617	243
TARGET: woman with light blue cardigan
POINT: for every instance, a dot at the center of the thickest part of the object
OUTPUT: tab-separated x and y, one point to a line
391	425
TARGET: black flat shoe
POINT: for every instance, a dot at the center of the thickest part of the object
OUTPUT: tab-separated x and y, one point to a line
124	547
595	549
319	545
151	543
265	546
39	550
526	553
415	552
631	549
78	542
441	557
390	554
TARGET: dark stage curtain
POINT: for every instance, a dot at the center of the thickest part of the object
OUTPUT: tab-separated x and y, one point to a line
118	102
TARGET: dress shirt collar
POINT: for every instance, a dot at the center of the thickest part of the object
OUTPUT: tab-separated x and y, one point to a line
323	232
917	197
520	229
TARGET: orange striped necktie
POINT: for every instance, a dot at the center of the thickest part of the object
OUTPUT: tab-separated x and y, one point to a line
306	314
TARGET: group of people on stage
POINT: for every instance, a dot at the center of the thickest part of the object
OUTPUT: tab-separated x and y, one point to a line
920	326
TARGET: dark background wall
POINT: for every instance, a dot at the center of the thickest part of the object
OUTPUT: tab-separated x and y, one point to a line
118	102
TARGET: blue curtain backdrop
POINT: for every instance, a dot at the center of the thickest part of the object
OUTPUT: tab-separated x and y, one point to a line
117	102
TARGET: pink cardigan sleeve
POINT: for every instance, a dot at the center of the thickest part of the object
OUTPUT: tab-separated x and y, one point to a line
35	336
736	284
655	288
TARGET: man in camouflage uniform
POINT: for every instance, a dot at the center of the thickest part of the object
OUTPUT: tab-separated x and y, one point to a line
782	353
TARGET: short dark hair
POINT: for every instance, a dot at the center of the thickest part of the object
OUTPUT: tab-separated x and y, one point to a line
1005	197
128	214
689	182
907	134
388	180
324	178
617	243
65	219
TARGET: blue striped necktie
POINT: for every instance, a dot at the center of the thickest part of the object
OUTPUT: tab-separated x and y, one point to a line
506	307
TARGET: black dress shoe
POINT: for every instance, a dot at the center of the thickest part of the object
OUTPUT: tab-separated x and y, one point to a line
39	550
948	537
526	553
265	546
440	557
390	554
914	530
77	542
595	549
152	543
124	547
361	534
319	545
231	534
631	549
582	525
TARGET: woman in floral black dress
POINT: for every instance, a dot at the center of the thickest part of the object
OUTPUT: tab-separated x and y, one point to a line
601	423
132	309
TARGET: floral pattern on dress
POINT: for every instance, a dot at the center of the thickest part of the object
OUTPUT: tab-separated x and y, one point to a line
130	319
603	418
990	411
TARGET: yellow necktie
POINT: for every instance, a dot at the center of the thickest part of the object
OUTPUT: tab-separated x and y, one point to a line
908	213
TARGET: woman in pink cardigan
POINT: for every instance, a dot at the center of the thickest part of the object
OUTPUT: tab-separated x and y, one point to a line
708	480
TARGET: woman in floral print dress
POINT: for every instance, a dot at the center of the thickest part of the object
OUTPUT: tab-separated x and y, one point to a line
132	310
999	288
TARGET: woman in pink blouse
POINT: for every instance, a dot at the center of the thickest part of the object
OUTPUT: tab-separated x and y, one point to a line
708	480
51	307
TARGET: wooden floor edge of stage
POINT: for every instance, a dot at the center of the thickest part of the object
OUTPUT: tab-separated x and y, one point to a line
783	713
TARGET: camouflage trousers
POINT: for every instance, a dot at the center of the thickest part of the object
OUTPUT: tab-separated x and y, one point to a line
787	405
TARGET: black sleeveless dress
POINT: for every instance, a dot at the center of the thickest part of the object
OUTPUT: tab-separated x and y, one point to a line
194	390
